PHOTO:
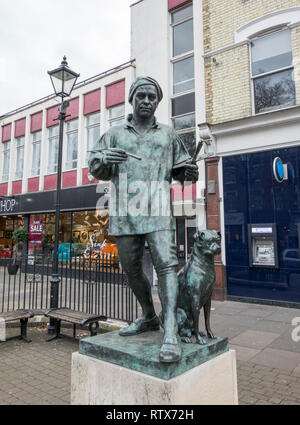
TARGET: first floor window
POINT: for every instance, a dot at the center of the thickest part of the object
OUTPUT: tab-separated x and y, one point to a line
93	133
5	164
183	112
72	145
272	71
19	157
275	91
53	150
183	75
183	30
36	153
189	140
116	115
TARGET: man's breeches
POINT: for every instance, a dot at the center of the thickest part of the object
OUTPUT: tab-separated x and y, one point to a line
162	249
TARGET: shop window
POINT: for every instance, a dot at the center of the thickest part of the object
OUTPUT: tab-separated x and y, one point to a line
41	234
183	75
93	132
7	226
5	163
36	153
19	157
272	71
183	31
65	220
71	145
80	234
53	150
116	115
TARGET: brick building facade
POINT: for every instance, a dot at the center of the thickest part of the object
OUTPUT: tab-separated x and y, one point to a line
252	88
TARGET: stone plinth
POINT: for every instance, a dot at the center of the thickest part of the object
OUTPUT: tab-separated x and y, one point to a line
140	352
110	370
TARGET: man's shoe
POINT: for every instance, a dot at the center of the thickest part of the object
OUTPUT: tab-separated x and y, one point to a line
139	326
171	350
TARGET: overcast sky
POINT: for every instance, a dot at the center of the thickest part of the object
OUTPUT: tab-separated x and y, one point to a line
35	34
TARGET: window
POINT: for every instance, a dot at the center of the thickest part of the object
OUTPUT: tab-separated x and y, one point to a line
272	71
183	75
5	165
183	111
36	153
183	31
189	140
116	115
19	157
53	150
93	132
72	145
183	106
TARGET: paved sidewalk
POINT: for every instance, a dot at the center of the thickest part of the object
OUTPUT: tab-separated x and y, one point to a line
268	359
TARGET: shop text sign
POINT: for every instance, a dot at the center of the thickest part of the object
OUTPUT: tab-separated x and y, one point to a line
7	205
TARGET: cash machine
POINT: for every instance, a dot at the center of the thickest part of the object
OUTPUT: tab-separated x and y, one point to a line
263	251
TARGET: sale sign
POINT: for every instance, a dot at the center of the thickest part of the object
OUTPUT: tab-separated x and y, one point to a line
36	228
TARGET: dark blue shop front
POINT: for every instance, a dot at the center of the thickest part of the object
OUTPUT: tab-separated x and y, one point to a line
262	219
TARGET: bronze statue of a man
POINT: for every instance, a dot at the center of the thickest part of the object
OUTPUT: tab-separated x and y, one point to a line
160	150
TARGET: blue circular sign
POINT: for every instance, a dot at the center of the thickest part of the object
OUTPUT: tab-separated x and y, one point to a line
278	169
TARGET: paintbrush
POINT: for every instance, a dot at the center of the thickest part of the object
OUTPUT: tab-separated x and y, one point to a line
194	158
127	153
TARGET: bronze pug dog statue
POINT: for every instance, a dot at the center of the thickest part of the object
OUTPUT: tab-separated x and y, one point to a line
196	283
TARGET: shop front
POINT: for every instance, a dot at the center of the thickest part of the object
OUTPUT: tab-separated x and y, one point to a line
83	229
262	224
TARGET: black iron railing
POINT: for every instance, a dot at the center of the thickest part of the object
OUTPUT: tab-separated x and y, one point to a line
90	285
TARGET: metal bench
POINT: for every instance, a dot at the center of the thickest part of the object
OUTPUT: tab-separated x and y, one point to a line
74	317
23	316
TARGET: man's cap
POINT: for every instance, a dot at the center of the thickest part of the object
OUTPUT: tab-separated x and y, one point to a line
142	81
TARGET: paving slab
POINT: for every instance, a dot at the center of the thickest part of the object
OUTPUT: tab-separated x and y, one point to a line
254	339
279	359
285	342
244	353
296	371
229	307
224	330
286	315
266	325
258	312
234	319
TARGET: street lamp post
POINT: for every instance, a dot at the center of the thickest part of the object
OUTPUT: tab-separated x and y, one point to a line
63	80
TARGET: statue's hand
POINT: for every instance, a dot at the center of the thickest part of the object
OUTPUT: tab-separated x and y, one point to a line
95	163
113	156
191	172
